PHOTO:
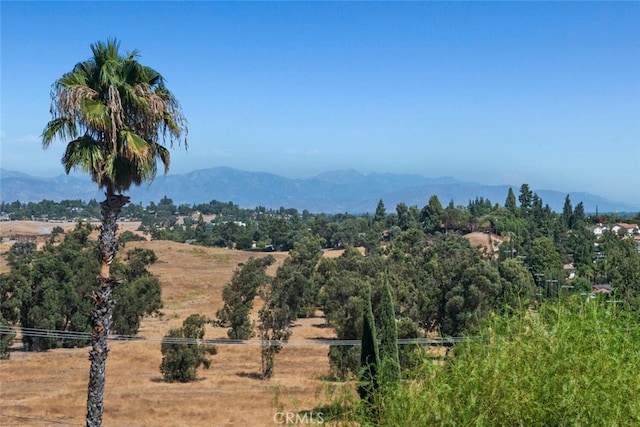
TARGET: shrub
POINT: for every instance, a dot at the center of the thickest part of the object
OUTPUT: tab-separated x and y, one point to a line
559	366
7	334
129	236
182	355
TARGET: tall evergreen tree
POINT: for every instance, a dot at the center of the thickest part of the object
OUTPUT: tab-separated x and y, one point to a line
369	354
510	202
567	212
525	198
389	336
431	215
380	216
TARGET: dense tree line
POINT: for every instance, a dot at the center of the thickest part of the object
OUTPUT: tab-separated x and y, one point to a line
49	289
439	282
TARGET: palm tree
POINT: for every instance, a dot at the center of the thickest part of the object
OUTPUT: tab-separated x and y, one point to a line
116	115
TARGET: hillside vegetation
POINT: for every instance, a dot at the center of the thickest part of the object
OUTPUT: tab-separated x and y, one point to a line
502	277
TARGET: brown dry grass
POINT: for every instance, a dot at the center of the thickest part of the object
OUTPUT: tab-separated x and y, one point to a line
485	241
50	388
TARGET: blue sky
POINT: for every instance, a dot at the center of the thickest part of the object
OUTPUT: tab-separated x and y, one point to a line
498	93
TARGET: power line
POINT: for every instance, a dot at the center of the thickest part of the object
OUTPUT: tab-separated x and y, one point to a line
39	420
84	336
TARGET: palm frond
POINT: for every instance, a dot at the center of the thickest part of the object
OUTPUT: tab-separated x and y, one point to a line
61	127
163	154
135	147
95	115
125	113
85	154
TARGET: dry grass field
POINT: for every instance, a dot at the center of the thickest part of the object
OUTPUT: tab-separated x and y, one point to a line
38	389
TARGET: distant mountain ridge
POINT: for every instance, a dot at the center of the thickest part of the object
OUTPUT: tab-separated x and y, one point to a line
330	192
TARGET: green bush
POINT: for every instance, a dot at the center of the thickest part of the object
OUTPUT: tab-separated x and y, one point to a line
129	236
558	366
7	334
182	355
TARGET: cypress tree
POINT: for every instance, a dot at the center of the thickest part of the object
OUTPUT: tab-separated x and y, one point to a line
389	336
369	359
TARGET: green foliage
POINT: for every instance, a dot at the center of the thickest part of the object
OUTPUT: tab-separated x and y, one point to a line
431	215
342	282
510	202
239	294
543	255
294	277
369	352
7	334
562	366
49	289
274	319
140	293
388	335
460	288
518	287
182	354
274	330
620	267
102	109
129	236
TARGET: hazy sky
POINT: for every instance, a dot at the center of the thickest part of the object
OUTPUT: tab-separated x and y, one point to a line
499	93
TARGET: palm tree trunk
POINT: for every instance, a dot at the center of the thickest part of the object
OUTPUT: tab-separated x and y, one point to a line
102	308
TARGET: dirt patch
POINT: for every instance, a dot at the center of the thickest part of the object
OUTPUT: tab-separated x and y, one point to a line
485	241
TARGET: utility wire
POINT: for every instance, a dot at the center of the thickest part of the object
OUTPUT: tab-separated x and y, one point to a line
19	421
83	336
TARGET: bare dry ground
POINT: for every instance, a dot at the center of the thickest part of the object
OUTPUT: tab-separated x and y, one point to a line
485	241
49	388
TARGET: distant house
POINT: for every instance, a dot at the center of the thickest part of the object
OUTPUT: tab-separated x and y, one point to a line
631	228
599	229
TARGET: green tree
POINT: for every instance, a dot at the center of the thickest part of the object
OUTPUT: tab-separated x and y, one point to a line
139	294
546	263
182	354
517	283
294	277
380	217
369	355
460	287
238	296
543	256
7	334
407	216
510	202
274	329
389	336
431	215
525	198
116	113
567	213
342	282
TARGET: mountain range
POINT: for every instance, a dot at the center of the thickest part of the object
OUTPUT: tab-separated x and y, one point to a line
331	192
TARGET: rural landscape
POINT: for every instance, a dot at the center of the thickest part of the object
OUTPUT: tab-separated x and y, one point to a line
451	270
50	388
215	296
